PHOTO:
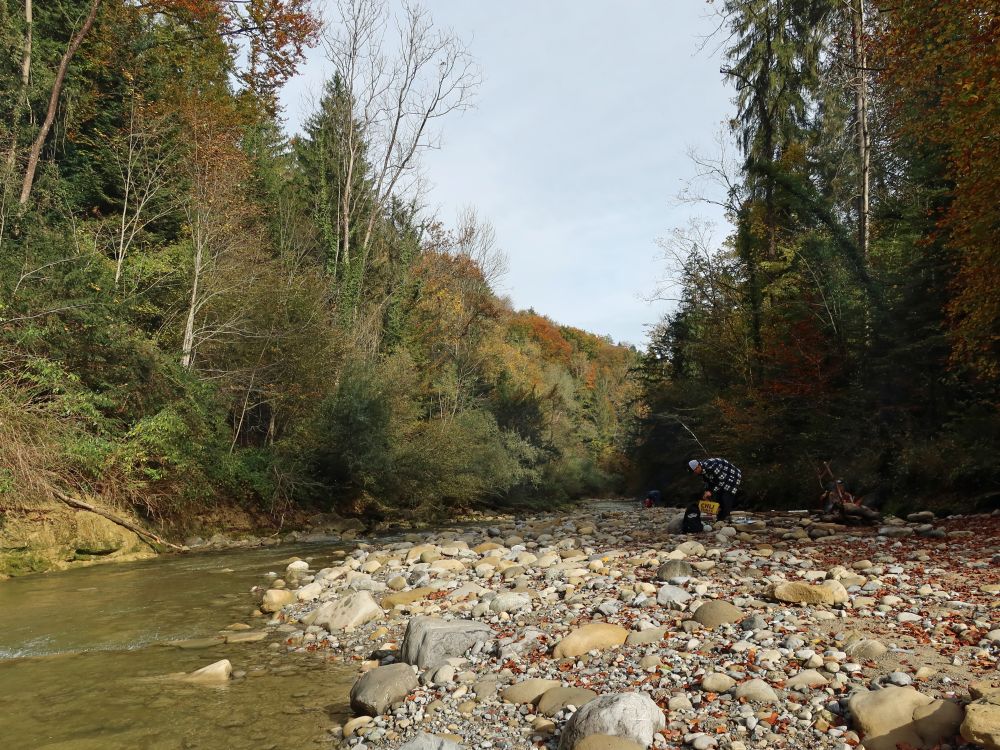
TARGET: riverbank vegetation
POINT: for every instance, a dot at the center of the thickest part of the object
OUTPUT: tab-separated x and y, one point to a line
852	313
195	309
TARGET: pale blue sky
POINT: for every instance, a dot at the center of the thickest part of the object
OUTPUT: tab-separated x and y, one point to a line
577	147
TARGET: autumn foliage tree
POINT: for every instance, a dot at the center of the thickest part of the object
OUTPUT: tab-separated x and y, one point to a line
197	310
942	59
267	38
852	313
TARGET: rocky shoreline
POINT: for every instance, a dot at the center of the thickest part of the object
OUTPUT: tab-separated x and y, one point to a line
606	628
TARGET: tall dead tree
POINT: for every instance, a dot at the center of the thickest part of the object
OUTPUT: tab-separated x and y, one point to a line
144	155
397	90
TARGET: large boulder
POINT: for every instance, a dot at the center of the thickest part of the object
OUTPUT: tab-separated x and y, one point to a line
275	599
717	682
938	721
864	649
448	566
296	568
794	592
900	715
510	601
633	716
672	597
527	691
379	688
982	720
807	678
840	594
645	637
556	699
691	548
596	635
213	674
429	641
414	554
407	597
756	691
345	612
715	613
310	592
674	569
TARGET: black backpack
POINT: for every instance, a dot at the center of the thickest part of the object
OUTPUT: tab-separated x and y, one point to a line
692	520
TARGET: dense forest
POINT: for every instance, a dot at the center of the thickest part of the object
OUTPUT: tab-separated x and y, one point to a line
853	313
196	309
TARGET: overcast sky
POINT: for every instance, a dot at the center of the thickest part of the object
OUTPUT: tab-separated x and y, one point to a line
577	147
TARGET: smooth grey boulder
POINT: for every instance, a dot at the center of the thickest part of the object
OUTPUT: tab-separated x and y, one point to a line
714	613
425	741
429	641
220	671
631	715
644	637
510	602
674	569
555	700
895	716
673	597
379	688
864	649
345	613
756	691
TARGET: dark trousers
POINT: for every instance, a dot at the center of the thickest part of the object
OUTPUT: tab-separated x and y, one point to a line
725	499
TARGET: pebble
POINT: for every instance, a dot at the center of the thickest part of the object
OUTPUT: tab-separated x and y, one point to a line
541	577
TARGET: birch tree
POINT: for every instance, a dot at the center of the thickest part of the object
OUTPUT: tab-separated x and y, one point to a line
400	77
144	155
217	214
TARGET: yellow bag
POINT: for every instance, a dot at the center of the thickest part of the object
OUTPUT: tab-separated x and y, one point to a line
708	507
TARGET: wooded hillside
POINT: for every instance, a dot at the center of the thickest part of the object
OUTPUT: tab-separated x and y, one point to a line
195	309
854	312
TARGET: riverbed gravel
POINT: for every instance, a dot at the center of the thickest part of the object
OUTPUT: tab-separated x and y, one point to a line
773	630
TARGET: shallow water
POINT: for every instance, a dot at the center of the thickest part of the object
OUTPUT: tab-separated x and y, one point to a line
84	662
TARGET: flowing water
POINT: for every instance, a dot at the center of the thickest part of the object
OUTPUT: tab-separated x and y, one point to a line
85	665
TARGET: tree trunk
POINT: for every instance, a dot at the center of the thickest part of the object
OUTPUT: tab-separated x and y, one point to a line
861	121
767	124
120	252
187	348
22	99
74	503
50	115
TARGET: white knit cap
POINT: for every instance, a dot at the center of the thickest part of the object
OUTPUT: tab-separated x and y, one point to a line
693	464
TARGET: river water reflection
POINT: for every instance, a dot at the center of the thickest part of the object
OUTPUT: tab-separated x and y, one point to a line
83	660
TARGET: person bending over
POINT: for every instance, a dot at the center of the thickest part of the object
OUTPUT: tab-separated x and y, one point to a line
722	482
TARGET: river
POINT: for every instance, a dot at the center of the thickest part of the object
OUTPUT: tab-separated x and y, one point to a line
84	660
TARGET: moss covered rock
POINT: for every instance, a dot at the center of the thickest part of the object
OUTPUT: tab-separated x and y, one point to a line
55	538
